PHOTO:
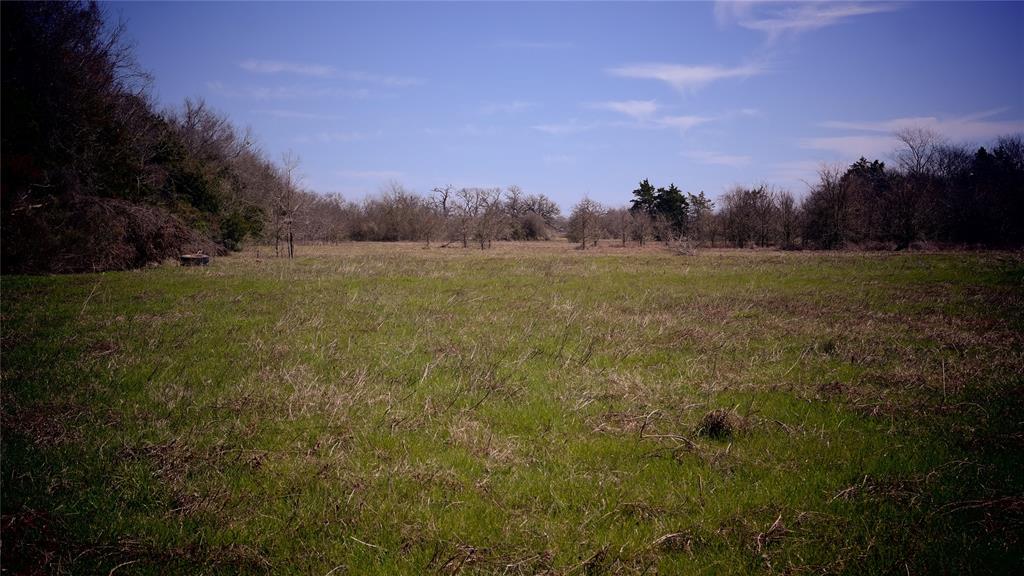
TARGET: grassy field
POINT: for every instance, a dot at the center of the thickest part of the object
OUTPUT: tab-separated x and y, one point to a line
390	409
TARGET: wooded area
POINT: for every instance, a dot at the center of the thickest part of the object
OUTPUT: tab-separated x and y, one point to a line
96	178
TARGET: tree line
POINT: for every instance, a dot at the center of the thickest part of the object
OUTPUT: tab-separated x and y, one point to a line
937	192
95	177
460	216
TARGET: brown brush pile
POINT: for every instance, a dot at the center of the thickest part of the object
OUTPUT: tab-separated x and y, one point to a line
721	423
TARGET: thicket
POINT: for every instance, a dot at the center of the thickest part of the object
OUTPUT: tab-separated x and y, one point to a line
95	178
937	193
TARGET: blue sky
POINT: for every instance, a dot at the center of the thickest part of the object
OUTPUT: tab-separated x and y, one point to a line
568	99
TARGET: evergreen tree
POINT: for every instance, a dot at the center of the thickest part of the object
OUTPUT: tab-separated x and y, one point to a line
670	203
644	199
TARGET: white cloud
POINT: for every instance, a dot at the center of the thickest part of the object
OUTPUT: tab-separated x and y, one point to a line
326	72
379	79
978	126
506	107
369	174
728	12
281	67
778	19
685	78
570	127
285	92
535	45
559	159
636	109
296	114
643	115
683	122
477	130
797	172
717	159
330	137
849	147
875	139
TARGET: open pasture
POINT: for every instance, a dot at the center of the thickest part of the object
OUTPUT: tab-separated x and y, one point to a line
388	408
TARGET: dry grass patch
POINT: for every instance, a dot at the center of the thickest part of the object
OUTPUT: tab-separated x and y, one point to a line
481	441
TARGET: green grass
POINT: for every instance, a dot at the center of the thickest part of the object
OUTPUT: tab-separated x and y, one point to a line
385	409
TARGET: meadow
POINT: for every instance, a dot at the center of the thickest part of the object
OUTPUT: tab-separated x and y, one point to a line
396	409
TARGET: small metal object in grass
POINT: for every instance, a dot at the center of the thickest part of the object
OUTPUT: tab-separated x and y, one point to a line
197	259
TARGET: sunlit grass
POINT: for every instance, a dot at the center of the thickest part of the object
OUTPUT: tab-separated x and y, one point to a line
534	408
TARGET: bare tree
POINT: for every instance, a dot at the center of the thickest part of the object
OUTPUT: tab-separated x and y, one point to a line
701	217
737	214
515	211
533	227
826	210
918	151
762	204
287	203
584	222
544	207
714	227
464	214
490	215
441	200
641	225
788	214
663	229
918	158
617	223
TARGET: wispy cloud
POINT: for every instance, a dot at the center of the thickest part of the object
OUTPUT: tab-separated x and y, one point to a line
535	44
506	107
977	126
325	71
636	109
716	158
296	115
849	147
796	172
559	159
369	174
875	138
560	129
779	19
282	67
683	123
685	78
472	129
380	79
330	137
286	92
641	114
